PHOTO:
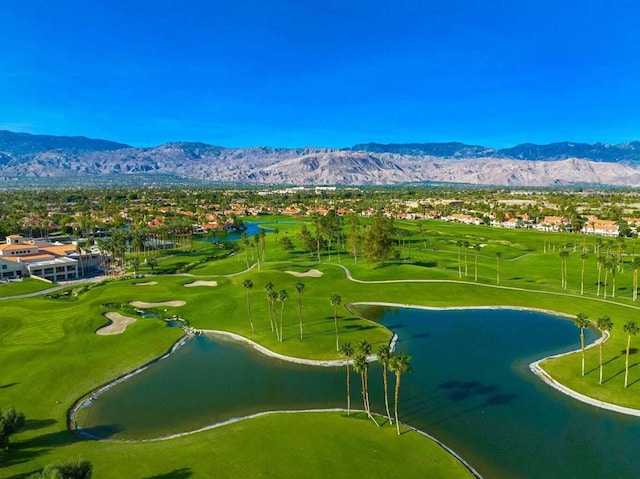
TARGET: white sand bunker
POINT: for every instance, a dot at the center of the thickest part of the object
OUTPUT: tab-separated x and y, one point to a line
313	273
118	324
201	283
142	304
148	283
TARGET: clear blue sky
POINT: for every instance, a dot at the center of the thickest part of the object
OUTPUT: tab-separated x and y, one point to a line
322	73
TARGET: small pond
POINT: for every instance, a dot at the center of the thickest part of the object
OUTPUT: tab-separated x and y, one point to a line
470	387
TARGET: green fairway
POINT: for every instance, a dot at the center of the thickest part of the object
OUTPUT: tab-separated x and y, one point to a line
55	357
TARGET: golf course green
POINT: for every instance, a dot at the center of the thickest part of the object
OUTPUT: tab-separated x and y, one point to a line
53	356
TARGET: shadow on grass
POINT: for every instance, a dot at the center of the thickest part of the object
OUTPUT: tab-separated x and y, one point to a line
181	473
33	424
8	385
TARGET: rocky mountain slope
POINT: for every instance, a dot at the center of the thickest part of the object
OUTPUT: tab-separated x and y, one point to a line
557	164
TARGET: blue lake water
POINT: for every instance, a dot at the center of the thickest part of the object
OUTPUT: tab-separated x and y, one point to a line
470	387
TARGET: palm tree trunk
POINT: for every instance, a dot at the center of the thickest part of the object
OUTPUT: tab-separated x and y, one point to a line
348	387
281	321
601	361
250	316
626	363
386	393
335	322
582	279
476	272
582	347
300	315
599	271
395	399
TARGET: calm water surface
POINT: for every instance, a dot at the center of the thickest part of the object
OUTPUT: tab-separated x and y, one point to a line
470	387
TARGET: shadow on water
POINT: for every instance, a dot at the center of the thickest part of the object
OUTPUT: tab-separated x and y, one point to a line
181	473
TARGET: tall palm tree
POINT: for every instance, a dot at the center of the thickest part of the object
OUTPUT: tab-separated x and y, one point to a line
273	297
248	284
564	254
335	302
361	365
631	329
347	351
581	321
601	260
498	257
283	296
636	264
604	323
299	286
476	247
583	257
614	263
384	356
465	245
459	245
364	349
606	267
268	287
399	364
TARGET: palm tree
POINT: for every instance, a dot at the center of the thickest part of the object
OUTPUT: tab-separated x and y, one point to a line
459	245
636	264
631	329
583	257
283	295
347	351
399	364
613	264
364	349
299	286
335	302
268	287
248	284
498	256
273	297
564	254
476	247
152	263
601	260
384	356
605	266
604	323
361	365
581	321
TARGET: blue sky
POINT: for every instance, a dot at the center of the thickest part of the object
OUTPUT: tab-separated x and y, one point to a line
322	73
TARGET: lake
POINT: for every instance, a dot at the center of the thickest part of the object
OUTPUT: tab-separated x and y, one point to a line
470	387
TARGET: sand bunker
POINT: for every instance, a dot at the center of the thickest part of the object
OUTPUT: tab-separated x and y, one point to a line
148	283
313	273
200	283
118	324
142	304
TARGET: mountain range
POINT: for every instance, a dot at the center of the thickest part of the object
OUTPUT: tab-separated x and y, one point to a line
24	155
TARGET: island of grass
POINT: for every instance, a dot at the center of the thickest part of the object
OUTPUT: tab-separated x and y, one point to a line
56	357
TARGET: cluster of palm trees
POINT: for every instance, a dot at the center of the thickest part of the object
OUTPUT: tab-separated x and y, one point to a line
358	359
605	325
274	297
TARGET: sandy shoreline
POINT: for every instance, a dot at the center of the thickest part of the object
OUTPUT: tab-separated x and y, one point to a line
118	324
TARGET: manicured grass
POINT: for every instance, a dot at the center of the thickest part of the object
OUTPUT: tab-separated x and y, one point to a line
310	445
27	285
55	357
